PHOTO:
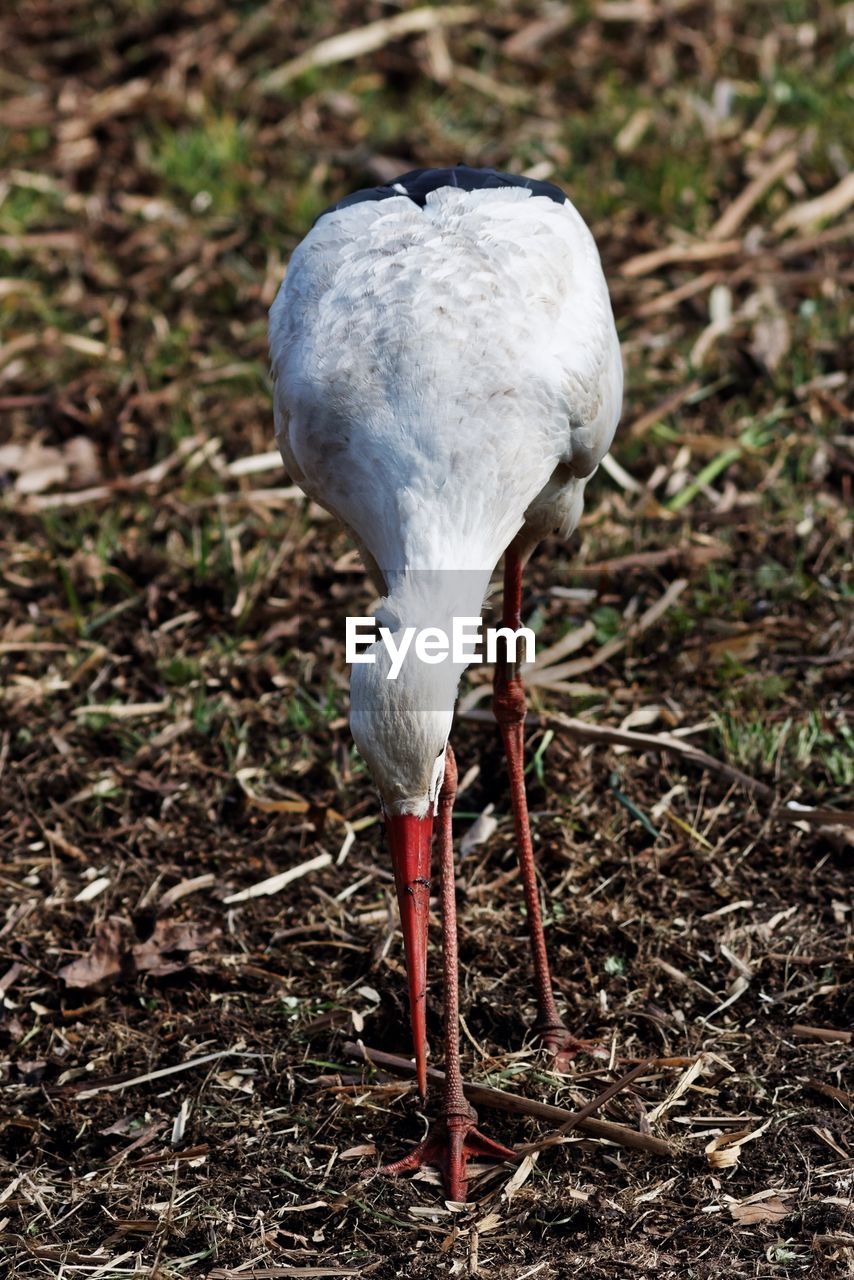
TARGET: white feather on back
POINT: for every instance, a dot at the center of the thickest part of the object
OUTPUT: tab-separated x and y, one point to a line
435	366
444	378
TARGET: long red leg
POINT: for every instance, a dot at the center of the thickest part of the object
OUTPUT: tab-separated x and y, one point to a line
509	706
453	1137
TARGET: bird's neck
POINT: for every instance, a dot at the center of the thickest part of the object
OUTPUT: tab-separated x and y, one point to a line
424	598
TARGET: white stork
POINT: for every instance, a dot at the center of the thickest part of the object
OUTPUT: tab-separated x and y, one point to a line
447	378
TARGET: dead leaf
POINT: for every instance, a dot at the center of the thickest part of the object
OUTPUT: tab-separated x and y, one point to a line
92	889
771	1210
38	468
356	1153
284	629
520	1177
120	1126
103	964
724	1151
743	647
170	947
479	831
771	340
83	461
31	1072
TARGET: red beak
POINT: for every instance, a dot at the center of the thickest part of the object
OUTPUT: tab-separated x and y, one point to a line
410	838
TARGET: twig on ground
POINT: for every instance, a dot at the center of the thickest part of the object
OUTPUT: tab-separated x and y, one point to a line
275	884
733	216
828	1034
367	39
690	554
185	887
827	205
659	411
483	1095
154	475
280	1273
644	263
589	1109
550	676
122	710
251	465
842	1096
666	301
117	1086
816	816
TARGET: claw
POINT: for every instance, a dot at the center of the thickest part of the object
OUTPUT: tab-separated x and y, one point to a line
450	1143
562	1046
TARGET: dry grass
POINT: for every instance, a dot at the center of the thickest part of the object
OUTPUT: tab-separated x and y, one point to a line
177	1096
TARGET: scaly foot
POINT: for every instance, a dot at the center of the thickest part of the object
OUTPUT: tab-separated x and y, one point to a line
452	1140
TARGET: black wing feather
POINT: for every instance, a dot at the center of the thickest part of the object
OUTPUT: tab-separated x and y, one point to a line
418	183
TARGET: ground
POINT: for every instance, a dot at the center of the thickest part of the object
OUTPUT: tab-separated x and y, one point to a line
173	696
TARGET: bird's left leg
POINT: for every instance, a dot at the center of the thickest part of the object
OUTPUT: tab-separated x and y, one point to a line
509	707
453	1138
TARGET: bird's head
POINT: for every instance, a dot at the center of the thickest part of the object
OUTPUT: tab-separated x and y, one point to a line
401	727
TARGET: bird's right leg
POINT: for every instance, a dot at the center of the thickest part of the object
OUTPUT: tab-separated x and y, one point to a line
509	706
453	1138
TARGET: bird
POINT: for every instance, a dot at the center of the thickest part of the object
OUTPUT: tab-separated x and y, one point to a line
446	377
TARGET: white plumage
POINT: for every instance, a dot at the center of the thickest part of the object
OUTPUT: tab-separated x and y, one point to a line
447	378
